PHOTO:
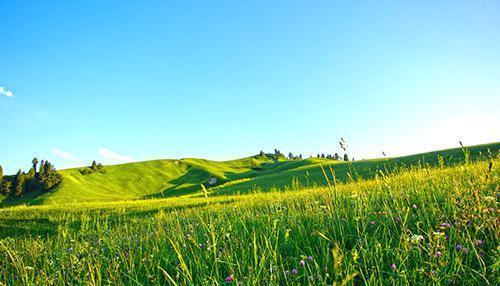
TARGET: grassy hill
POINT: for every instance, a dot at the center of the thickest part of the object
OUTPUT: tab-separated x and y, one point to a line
172	178
424	226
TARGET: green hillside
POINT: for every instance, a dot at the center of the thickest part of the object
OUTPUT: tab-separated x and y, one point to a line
170	178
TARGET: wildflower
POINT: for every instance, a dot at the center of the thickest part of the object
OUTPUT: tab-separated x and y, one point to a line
438	254
302	263
287	272
438	234
479	242
416	238
445	225
295	271
393	267
310	258
433	272
396	218
459	247
465	250
372	222
414	206
229	279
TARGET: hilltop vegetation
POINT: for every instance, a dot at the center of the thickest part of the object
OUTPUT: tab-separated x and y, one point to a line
263	172
37	179
420	225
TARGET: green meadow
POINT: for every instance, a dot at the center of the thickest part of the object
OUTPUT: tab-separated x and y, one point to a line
423	219
176	178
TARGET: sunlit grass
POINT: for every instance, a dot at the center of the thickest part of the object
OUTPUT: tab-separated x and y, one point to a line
402	228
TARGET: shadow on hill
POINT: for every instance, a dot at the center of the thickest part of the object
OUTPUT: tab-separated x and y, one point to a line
27	198
191	181
26	227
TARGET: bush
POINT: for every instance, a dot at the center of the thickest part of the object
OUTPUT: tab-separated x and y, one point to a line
86	171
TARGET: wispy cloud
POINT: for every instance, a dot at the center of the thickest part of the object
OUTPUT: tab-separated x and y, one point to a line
113	156
5	92
65	155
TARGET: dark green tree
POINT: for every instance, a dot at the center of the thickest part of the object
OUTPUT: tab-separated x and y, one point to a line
20	180
346	158
41	172
94	166
6	187
35	163
31	172
1	175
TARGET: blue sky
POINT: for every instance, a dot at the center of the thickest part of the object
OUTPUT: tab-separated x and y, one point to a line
135	80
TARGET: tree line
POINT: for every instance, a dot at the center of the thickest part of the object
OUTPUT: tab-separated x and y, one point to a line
43	176
277	155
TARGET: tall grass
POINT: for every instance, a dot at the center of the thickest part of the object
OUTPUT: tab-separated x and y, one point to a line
418	226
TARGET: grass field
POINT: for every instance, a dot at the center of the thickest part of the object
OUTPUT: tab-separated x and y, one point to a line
434	223
174	178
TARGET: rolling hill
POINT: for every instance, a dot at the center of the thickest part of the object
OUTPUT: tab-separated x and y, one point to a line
172	178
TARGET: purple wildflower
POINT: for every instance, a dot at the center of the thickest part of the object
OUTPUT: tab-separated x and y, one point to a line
302	263
396	218
479	242
372	222
393	267
445	225
459	247
438	254
295	271
310	258
229	279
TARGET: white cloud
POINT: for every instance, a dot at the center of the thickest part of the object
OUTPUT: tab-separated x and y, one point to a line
5	92
113	156
65	155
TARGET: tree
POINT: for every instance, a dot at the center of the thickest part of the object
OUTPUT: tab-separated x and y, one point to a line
31	172
290	155
261	153
35	162
94	165
346	158
322	155
41	172
300	156
1	174
20	180
336	156
6	187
